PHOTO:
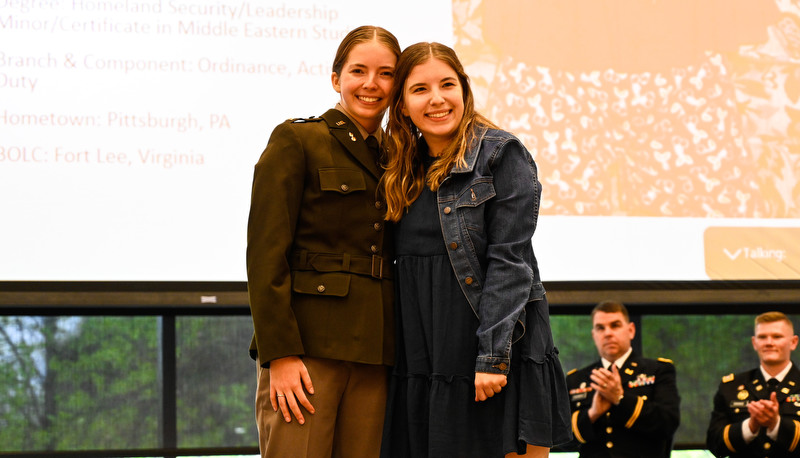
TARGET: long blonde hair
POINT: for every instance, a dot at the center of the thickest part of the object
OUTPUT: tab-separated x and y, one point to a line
405	173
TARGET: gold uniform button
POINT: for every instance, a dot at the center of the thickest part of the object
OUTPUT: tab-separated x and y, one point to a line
377	226
468	280
767	445
344	188
447	210
609	444
378	205
609	430
453	245
321	288
373	248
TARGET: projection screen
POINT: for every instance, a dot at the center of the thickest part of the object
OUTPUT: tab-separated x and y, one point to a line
666	132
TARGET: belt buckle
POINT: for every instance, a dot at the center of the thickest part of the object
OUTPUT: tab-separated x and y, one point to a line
377	271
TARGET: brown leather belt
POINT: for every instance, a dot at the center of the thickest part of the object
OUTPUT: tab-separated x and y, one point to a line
373	266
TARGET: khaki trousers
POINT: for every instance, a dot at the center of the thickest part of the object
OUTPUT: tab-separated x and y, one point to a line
349	399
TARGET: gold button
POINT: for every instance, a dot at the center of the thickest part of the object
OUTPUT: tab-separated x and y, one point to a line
344	187
608	414
644	398
447	210
453	245
378	205
767	445
609	444
737	411
609	430
377	226
321	288
468	280
373	248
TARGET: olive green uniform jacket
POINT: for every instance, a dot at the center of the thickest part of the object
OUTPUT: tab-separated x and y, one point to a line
318	247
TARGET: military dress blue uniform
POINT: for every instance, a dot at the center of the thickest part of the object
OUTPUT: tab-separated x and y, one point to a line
644	421
725	436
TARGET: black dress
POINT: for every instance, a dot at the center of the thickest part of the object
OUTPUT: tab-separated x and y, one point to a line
431	410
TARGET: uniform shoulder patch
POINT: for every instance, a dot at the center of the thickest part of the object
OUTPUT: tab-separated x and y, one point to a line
309	119
572	371
666	360
727	378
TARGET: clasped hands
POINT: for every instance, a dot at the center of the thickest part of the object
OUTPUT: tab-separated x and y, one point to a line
607	387
763	413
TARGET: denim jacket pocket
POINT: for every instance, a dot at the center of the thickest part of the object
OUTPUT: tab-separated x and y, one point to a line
341	180
476	193
320	284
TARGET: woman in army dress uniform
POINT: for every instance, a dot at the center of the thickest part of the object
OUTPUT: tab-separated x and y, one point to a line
317	269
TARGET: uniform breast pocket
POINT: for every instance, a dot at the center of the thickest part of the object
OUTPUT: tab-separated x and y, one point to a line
341	180
470	203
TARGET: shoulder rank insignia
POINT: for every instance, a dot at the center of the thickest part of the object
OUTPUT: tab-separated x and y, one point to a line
666	360
340	123
309	119
727	378
572	371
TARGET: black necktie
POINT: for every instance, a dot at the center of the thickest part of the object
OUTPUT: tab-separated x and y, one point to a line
372	145
772	385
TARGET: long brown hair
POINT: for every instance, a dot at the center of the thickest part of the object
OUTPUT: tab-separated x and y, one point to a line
363	34
405	174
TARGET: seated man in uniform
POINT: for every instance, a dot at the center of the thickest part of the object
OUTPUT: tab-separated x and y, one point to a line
757	413
622	405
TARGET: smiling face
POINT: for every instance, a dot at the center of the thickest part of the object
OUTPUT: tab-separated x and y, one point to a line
612	334
774	342
365	81
434	100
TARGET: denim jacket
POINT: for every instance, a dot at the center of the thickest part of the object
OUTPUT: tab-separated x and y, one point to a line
488	210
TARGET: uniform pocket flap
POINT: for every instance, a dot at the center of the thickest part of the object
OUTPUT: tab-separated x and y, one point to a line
321	284
343	181
476	194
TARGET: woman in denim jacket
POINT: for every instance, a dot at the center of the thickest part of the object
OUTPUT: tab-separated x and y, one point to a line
477	373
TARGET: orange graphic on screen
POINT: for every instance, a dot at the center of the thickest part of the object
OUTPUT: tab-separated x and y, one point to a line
678	108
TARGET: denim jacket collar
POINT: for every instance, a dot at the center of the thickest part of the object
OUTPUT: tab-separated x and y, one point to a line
471	155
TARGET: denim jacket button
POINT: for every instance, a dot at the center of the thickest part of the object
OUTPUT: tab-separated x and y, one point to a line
468	280
447	210
453	245
501	366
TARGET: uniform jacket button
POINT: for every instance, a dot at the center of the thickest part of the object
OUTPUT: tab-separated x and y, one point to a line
378	205
609	444
468	280
453	245
377	226
344	188
321	288
373	248
447	210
